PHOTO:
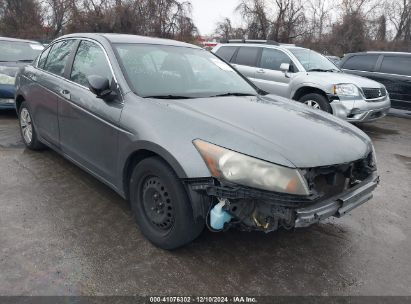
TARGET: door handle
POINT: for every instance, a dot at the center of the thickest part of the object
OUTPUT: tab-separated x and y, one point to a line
33	77
65	94
260	71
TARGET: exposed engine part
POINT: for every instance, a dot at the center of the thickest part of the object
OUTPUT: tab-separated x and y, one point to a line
252	215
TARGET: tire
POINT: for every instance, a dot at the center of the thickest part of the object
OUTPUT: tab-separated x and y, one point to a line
316	101
27	129
160	205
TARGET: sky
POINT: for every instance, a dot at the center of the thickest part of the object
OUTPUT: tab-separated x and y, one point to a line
206	13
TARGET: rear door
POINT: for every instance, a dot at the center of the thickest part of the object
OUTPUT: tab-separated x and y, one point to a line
246	60
395	73
269	77
89	125
46	81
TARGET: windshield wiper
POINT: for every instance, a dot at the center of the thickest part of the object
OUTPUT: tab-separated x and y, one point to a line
25	60
169	97
233	94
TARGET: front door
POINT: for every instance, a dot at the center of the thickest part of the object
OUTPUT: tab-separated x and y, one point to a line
88	124
269	77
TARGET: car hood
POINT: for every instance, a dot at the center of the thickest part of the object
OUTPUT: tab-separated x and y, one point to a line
274	129
336	78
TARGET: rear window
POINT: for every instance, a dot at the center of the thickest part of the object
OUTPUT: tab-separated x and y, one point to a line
247	56
226	52
43	58
361	63
58	56
396	65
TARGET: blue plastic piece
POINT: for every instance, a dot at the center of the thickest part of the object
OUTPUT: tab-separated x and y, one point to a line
218	217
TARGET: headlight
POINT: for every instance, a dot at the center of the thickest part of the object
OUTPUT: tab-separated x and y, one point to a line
248	171
6	79
346	89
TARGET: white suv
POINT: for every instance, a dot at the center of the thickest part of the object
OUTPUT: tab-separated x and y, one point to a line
308	77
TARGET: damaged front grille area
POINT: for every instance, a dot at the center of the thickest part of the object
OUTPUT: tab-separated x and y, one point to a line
254	209
331	180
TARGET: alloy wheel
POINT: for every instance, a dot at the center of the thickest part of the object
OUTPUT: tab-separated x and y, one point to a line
26	126
312	104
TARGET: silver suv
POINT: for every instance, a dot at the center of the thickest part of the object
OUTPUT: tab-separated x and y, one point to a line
308	77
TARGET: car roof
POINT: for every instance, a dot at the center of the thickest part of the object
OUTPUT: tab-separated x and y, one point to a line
126	38
264	45
18	40
381	53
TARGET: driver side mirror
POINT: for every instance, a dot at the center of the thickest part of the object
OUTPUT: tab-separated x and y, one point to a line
99	85
285	67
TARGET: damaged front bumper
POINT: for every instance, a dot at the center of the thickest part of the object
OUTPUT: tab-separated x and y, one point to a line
254	209
338	205
359	110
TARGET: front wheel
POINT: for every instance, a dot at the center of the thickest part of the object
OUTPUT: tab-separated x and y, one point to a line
161	206
27	130
316	101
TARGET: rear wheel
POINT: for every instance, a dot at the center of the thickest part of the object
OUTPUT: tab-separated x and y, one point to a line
316	101
27	129
161	206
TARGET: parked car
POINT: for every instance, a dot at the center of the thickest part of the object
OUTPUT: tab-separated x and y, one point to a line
14	53
334	59
188	140
308	77
393	69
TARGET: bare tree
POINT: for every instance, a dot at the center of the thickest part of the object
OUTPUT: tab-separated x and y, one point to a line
57	14
225	29
320	15
254	11
400	16
21	18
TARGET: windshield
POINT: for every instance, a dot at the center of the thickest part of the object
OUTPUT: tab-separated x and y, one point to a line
19	51
312	61
182	72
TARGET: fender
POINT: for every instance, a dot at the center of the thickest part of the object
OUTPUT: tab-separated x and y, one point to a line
127	154
307	85
199	203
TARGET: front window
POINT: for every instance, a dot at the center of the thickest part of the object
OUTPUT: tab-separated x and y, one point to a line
272	59
312	61
11	51
161	71
90	60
